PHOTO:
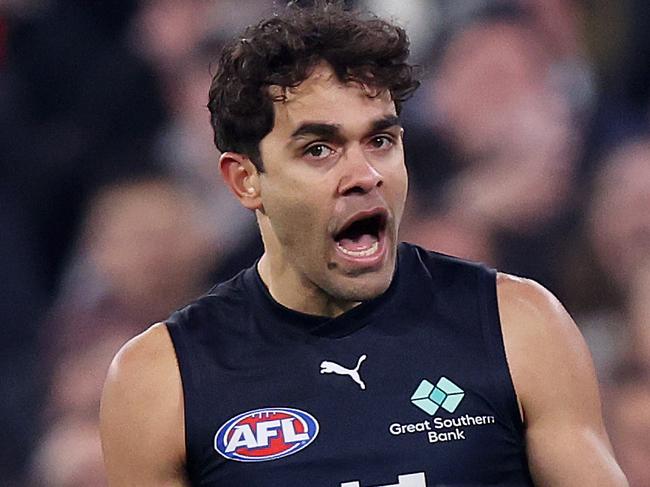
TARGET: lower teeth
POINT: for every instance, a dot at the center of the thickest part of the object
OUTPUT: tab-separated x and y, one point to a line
360	253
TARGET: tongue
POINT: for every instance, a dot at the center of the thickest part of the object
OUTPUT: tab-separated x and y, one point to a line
356	243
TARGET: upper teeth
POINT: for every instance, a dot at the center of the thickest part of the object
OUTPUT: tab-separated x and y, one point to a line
360	253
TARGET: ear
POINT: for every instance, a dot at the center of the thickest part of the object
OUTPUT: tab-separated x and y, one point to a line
243	179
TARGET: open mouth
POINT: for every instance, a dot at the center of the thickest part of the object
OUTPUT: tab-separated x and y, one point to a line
362	236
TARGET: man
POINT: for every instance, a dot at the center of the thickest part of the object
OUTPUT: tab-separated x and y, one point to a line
341	358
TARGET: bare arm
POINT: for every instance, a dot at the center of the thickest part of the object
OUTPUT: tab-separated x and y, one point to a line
141	415
556	385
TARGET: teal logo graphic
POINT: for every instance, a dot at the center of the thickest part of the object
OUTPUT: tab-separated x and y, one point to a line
445	394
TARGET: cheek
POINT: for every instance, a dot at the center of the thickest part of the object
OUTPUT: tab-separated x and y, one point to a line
295	213
397	187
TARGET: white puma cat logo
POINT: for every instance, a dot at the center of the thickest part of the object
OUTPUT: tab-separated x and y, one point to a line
327	367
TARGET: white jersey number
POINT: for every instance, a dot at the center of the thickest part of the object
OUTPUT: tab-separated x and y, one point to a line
408	480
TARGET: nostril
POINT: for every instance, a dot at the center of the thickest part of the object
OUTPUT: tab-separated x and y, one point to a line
354	190
362	188
360	177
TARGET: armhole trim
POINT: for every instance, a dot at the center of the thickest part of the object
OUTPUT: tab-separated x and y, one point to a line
173	325
493	338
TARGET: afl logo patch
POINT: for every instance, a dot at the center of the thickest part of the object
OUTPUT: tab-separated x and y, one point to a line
265	434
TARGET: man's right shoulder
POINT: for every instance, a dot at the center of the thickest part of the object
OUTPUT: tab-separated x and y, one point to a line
142	404
144	372
148	353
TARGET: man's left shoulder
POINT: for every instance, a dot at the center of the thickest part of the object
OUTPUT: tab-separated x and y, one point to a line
556	387
528	308
546	352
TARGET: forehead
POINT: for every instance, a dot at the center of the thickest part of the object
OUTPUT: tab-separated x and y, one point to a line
322	98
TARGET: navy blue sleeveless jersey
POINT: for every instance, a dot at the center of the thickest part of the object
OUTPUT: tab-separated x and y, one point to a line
410	389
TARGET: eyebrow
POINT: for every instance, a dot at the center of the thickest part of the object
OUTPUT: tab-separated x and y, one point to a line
325	130
385	123
333	131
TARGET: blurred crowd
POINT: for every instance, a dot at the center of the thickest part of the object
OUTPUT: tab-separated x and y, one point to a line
528	148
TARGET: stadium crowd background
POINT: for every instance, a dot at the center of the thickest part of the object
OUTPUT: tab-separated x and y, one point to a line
528	149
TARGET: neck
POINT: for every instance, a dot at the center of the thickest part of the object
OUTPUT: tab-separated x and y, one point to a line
295	292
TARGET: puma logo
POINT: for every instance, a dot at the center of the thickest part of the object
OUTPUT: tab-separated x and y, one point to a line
327	367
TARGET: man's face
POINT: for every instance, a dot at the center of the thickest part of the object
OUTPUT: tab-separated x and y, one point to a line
334	188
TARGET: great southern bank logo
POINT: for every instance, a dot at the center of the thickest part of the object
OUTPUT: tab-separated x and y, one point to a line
430	398
265	434
445	394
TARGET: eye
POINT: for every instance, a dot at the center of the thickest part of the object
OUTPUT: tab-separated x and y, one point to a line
318	151
381	142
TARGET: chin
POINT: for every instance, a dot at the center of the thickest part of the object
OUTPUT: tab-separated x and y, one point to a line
363	287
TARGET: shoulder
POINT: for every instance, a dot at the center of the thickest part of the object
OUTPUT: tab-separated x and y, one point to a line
142	404
521	295
149	354
556	386
528	310
545	350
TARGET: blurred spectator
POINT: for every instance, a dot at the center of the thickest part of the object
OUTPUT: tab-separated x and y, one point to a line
616	319
77	98
143	251
78	370
179	41
70	456
494	100
516	136
166	32
185	148
422	19
66	82
68	452
620	221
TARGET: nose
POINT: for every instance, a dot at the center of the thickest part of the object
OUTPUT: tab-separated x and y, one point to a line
360	175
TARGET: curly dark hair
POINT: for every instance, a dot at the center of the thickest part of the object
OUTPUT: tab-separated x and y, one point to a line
284	49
